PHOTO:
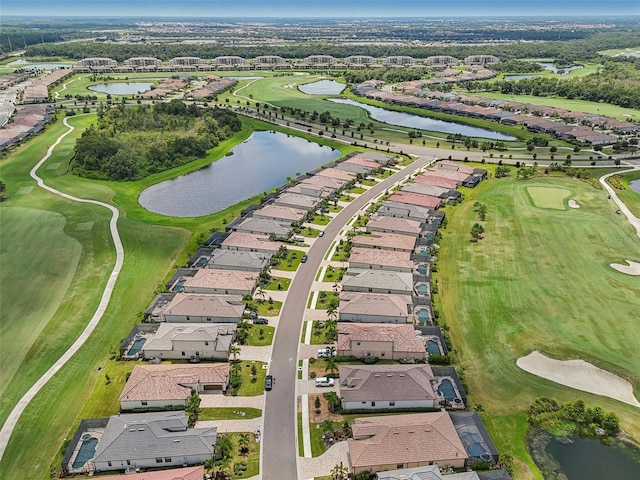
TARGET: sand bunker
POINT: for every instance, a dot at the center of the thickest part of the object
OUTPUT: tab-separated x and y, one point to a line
573	204
580	375
632	269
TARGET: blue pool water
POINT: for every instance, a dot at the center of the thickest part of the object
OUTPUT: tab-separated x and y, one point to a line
86	452
202	261
423	316
422	270
422	290
136	347
178	285
447	390
433	347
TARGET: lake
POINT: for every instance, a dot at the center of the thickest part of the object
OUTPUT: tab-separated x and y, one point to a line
121	88
424	123
561	70
25	65
635	185
322	87
262	162
587	459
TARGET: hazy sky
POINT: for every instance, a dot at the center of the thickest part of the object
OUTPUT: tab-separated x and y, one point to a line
318	8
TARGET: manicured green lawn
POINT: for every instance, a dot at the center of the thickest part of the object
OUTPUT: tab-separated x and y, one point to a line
335	208
333	274
357	190
318	334
341	254
299	429
539	280
229	413
320	219
269	309
248	387
254	335
345	198
614	111
290	264
310	232
317	445
279	283
252	457
630	198
324	298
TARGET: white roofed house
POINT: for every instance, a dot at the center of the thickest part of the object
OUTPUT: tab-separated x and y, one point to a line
227	282
179	341
387	386
377	281
162	386
151	440
385	241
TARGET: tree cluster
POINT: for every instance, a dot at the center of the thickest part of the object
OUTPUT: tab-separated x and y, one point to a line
572	418
131	143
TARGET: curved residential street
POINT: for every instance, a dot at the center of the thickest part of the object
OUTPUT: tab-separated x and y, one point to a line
279	446
14	416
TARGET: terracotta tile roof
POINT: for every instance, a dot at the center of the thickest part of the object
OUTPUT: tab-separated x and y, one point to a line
388	305
387	258
170	382
187	473
366	383
365	162
222	279
280	212
395	439
382	222
436	181
417	198
403	337
322	181
457	176
338	174
250	241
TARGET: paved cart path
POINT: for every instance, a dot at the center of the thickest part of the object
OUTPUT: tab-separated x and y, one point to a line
14	416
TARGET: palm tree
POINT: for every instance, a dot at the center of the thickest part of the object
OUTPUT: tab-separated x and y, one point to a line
243	443
339	472
260	293
330	364
234	350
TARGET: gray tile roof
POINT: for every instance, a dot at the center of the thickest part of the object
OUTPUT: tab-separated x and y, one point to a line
149	435
242	260
357	278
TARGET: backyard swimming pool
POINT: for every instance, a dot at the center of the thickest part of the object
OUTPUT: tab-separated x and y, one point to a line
136	347
86	452
447	390
433	347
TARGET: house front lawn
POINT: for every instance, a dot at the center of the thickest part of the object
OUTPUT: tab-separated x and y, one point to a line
320	219
278	283
291	262
269	308
310	232
342	253
335	208
250	387
229	413
357	190
260	335
318	335
345	198
333	274
324	298
241	464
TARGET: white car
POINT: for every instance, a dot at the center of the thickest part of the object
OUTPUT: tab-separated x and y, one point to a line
325	352
325	382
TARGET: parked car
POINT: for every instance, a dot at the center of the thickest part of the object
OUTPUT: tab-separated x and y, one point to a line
321	234
261	321
325	382
325	352
304	258
268	382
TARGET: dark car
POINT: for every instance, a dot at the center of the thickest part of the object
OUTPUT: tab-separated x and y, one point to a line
260	321
268	382
303	259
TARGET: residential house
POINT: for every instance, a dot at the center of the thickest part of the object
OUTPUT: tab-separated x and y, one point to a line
227	282
404	210
403	441
428	472
223	259
178	341
385	241
295	200
163	386
152	440
389	341
373	258
447	194
427	201
403	226
264	226
375	308
436	181
250	242
280	213
186	473
332	172
373	387
323	182
377	281
201	308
